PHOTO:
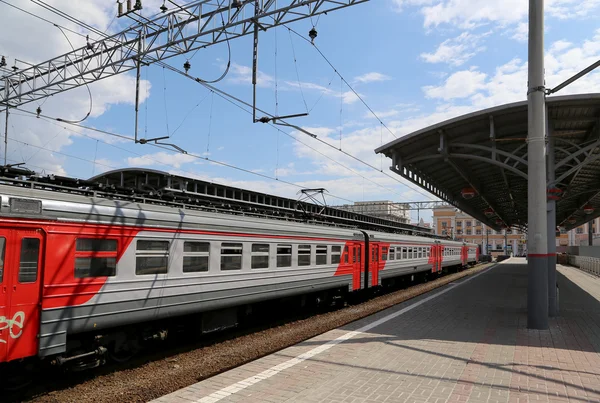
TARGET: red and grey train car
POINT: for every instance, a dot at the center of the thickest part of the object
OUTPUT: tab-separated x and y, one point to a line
80	274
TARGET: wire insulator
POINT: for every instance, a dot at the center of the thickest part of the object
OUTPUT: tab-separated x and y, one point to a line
38	111
89	46
236	4
187	66
312	34
3	61
163	8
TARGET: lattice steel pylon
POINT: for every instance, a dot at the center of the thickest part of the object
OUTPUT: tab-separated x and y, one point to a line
181	30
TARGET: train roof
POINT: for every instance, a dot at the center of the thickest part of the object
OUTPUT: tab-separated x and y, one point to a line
152	187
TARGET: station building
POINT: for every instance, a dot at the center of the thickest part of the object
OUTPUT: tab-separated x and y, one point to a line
450	221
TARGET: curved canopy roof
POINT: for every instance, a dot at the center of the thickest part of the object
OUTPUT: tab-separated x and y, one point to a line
486	151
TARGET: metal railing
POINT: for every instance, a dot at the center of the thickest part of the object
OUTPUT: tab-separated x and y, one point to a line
586	263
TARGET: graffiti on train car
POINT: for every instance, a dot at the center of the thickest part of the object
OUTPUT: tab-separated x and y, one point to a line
18	320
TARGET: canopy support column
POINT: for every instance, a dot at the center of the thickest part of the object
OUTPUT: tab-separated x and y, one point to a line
537	243
552	285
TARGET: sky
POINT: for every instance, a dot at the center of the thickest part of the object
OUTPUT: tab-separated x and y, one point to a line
413	63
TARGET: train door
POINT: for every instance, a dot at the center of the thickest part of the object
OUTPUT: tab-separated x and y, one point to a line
21	297
433	258
4	294
374	266
358	265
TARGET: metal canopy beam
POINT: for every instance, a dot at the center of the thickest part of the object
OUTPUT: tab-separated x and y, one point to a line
475	185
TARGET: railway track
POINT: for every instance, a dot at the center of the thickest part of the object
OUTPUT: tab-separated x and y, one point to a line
183	359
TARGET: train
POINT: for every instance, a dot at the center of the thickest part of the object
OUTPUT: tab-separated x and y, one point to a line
84	275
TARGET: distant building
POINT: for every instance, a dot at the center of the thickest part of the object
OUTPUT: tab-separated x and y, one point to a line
451	222
424	224
386	209
580	236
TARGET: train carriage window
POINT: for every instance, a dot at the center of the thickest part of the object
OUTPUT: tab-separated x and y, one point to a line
260	256
284	255
195	256
231	256
28	264
304	255
427	252
410	253
95	245
321	254
358	253
95	257
2	250
404	253
336	251
392	254
384	253
152	257
420	252
346	254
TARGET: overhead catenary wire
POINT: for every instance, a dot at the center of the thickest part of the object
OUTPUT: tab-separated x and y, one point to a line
105	35
199	157
225	94
232	98
58	152
165	99
323	92
297	73
42	18
68	17
86	86
341	110
189	113
345	81
203	82
212	98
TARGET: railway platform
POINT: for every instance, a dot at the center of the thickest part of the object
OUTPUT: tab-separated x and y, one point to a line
464	342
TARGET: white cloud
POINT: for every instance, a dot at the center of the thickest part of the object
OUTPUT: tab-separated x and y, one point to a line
521	32
371	78
348	97
240	74
161	158
468	14
459	85
401	4
381	114
559	46
509	81
455	51
34	41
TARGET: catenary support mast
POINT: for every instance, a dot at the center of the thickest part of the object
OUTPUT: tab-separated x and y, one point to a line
537	242
552	300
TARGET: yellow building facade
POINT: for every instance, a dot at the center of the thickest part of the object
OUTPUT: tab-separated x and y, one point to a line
451	222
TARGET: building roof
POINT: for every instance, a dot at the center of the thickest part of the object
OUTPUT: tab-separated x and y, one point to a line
487	151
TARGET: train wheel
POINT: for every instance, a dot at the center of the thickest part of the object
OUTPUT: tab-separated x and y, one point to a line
124	352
